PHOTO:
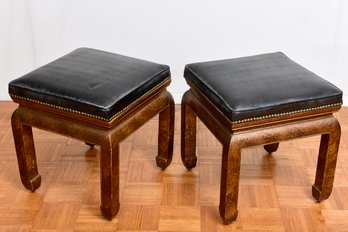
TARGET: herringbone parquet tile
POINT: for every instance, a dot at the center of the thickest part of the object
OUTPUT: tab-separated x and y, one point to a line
275	190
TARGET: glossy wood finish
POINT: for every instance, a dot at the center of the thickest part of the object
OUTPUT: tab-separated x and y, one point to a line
108	137
235	138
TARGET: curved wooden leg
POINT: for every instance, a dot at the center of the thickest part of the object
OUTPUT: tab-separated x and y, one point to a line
109	175
188	134
230	171
326	165
166	135
26	157
270	148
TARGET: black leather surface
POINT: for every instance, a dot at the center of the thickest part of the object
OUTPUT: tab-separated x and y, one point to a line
260	85
91	81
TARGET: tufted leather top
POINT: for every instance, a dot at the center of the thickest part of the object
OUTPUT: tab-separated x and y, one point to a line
94	82
261	85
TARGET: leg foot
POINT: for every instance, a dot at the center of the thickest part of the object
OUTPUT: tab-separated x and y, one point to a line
190	162
109	213
35	183
317	194
270	148
228	215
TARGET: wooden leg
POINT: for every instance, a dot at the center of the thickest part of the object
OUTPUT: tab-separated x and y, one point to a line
109	175
229	186
188	135
24	143
326	165
270	148
166	135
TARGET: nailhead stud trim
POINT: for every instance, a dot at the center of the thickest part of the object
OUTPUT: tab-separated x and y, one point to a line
285	113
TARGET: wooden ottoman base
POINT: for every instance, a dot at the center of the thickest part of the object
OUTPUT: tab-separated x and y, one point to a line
235	137
107	135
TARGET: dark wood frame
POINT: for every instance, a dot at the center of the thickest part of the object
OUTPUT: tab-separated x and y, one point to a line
106	134
268	131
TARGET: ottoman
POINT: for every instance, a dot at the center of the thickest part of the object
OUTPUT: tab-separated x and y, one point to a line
259	100
96	97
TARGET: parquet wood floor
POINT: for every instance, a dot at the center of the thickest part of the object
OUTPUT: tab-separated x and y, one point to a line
275	190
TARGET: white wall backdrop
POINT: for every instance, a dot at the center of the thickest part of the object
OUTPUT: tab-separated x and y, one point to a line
175	32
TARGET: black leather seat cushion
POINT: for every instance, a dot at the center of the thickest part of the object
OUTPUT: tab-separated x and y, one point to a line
261	85
94	82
